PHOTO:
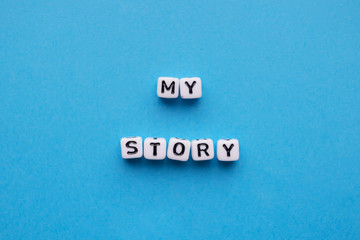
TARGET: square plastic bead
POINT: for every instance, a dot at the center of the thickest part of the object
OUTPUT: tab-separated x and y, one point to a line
178	149
228	150
202	149
190	88
131	147
155	148
168	87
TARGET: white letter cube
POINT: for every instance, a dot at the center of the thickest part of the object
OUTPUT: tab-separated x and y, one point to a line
190	88
168	87
228	150
131	147
155	148
178	149
202	149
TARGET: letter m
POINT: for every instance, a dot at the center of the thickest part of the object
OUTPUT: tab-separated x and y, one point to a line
168	88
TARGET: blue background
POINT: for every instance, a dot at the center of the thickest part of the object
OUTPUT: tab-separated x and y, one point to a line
281	76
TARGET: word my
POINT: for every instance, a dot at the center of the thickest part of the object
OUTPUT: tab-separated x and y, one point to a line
168	87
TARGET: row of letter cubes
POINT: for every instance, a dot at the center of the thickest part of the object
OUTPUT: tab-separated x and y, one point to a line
168	87
179	149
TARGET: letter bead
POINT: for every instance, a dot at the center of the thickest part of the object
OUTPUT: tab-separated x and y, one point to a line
202	149
190	88
155	148
228	150
178	149
131	147
168	87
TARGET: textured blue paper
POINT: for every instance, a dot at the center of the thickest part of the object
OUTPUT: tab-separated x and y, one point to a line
281	76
